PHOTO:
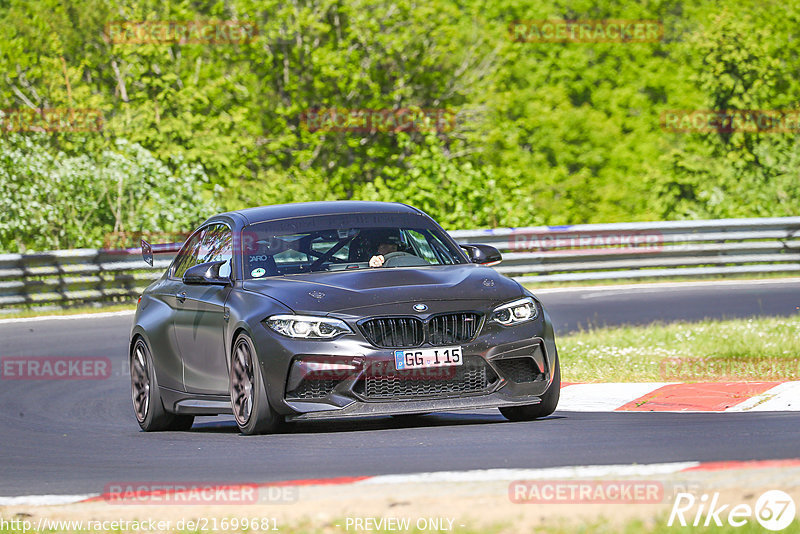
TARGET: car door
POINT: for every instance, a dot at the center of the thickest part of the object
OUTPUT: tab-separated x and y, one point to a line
199	322
162	333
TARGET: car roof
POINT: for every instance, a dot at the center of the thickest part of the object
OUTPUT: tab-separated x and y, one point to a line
334	207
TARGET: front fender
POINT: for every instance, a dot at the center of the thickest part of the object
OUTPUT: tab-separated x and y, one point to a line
247	311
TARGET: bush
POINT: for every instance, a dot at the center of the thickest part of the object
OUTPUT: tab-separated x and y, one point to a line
51	200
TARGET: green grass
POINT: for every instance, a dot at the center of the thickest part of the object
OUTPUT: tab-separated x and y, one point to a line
556	525
303	526
741	349
659	526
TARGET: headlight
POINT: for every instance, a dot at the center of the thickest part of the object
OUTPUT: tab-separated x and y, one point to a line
516	312
307	327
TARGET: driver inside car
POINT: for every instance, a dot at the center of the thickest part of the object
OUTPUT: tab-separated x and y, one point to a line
388	253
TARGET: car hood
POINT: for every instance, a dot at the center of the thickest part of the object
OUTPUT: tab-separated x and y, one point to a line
344	291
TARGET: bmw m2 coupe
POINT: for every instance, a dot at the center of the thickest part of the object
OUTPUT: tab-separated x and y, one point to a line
335	309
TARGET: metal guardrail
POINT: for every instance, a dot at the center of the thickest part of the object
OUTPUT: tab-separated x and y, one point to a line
644	250
75	276
530	255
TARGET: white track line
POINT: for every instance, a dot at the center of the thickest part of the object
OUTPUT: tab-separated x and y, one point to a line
488	475
662	285
44	500
782	398
605	397
88	315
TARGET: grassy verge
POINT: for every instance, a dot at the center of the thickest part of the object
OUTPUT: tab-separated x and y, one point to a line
553	526
741	349
660	527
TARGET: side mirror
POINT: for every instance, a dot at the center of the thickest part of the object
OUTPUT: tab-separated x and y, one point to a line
206	274
147	253
483	254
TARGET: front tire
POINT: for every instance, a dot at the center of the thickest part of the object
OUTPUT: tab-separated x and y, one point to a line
147	404
544	408
249	402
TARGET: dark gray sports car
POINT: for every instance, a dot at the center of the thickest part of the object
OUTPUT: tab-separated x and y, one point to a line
335	309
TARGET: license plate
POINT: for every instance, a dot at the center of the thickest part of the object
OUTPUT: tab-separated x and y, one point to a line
421	358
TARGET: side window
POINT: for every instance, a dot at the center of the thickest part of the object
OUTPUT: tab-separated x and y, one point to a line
187	256
217	246
213	243
422	245
442	250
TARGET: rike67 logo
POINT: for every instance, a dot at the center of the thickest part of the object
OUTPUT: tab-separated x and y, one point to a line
774	510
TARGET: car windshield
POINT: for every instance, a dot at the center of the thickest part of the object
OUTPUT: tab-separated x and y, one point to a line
341	243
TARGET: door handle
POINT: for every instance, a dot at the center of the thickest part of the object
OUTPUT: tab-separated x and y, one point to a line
181	296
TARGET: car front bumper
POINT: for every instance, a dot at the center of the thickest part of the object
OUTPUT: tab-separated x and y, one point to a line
353	389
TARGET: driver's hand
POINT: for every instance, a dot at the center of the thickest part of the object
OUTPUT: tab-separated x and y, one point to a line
376	261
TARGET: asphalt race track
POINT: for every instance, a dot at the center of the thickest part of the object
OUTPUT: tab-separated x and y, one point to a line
73	437
572	309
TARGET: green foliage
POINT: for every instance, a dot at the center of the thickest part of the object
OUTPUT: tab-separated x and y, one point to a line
454	190
736	174
55	201
547	133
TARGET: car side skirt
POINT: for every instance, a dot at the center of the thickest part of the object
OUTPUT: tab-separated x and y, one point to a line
183	403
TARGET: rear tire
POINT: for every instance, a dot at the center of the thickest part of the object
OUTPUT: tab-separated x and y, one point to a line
544	408
249	402
147	404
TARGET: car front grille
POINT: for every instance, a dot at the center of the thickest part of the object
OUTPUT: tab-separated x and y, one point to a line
406	332
472	377
519	370
453	328
394	332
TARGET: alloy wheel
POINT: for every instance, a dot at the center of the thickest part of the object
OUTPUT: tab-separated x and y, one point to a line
140	382
242	382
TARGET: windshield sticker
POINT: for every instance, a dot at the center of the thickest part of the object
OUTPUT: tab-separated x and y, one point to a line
258	273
